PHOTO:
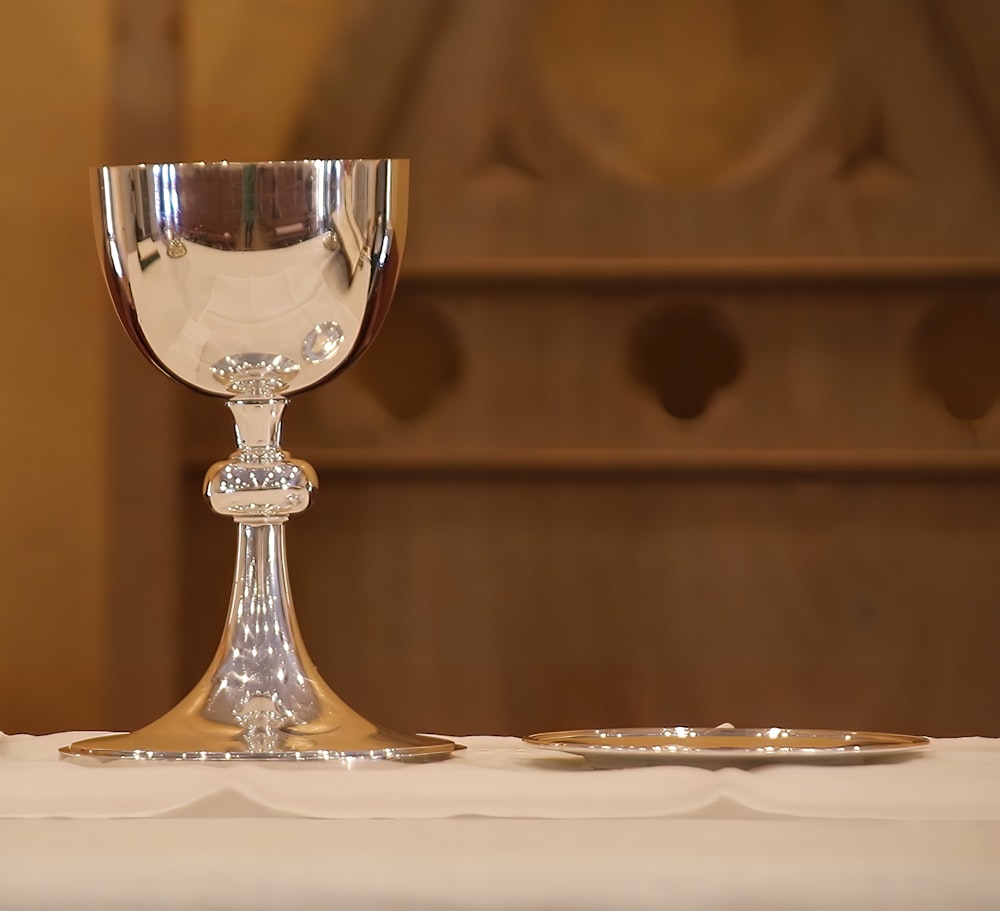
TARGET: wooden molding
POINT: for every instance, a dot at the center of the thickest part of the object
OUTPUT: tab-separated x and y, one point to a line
822	273
854	463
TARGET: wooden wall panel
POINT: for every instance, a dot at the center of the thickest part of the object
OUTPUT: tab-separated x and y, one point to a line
142	637
499	604
546	547
534	513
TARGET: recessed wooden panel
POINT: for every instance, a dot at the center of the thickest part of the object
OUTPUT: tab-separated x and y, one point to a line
509	605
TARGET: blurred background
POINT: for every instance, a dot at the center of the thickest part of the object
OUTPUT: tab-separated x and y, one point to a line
685	411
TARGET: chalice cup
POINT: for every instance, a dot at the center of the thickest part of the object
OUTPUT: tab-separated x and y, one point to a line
252	282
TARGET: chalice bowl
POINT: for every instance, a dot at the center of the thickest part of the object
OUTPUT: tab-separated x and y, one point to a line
252	282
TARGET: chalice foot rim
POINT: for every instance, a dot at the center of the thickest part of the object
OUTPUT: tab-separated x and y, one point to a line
328	746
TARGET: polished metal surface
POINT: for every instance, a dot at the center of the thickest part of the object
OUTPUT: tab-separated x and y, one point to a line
252	282
614	747
265	278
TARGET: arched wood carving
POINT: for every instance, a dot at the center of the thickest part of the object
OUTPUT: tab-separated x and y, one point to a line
683	354
785	127
956	355
416	362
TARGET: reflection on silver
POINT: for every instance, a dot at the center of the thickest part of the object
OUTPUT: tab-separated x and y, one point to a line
251	282
259	481
714	747
322	342
209	260
176	248
254	375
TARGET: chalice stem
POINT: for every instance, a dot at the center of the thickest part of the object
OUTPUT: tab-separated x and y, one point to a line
262	678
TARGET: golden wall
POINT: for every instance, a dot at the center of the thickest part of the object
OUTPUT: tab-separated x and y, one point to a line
54	61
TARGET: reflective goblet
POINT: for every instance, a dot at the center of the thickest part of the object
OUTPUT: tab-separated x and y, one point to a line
252	282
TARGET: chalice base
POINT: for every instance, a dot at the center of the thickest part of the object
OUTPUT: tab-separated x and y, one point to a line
339	734
262	697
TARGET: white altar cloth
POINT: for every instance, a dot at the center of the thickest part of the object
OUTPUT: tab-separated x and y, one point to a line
499	777
499	826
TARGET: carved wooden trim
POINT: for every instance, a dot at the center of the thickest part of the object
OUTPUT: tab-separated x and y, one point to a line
144	119
899	272
884	464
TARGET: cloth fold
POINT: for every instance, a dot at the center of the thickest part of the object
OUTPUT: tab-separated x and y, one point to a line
498	777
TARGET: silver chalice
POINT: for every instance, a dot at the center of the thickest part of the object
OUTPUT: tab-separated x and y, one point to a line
252	282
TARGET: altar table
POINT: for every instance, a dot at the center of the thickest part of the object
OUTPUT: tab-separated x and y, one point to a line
499	826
